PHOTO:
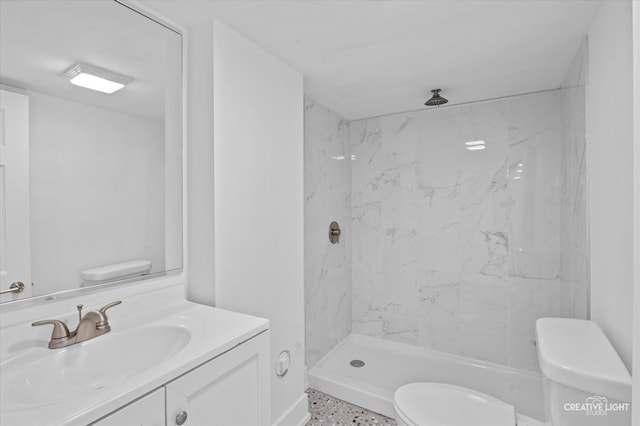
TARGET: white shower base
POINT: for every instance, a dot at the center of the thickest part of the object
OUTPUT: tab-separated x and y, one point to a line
388	365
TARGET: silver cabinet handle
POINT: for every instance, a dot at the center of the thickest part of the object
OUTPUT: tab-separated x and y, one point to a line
16	287
181	418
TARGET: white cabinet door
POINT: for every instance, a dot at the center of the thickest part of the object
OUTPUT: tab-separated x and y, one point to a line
230	390
15	249
147	411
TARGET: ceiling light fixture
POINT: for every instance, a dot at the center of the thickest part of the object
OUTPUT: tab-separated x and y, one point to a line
475	145
95	78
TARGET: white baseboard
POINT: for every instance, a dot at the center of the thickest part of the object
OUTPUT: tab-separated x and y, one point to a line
297	414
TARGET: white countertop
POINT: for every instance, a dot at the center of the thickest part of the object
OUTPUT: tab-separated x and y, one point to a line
212	332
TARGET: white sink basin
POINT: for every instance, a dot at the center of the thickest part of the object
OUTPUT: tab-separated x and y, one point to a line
50	375
156	337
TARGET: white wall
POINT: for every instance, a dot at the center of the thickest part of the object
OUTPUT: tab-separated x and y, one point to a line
610	173
97	190
200	175
636	211
258	176
198	34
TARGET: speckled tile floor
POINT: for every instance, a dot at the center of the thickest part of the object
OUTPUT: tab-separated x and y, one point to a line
329	411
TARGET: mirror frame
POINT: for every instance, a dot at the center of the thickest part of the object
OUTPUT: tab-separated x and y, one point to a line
10	306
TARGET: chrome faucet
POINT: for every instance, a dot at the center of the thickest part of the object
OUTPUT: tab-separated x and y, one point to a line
92	324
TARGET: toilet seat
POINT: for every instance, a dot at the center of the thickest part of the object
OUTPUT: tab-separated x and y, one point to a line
440	404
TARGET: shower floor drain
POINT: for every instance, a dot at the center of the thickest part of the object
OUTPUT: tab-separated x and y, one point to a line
357	363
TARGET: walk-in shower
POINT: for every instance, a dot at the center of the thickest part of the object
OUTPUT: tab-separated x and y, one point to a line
447	250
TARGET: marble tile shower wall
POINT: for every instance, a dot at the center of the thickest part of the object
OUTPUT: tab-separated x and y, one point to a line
456	250
453	249
327	187
574	227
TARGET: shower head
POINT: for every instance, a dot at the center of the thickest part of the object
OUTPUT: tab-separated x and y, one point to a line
436	99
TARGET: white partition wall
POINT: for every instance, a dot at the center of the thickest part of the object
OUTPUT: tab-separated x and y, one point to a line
200	163
610	173
258	190
636	210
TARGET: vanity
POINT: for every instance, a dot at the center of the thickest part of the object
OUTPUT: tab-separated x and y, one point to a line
95	327
166	361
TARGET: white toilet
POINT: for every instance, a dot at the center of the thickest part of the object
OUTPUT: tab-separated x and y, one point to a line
439	404
586	384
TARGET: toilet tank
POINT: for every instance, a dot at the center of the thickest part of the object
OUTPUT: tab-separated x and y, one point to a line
586	383
117	271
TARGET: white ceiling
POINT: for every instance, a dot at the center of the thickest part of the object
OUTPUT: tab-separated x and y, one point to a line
40	40
368	58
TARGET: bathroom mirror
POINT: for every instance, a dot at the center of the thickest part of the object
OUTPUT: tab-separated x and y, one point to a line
90	148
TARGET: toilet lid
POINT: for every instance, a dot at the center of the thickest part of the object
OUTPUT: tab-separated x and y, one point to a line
439	404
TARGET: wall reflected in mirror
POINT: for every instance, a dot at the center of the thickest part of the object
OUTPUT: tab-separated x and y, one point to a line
90	179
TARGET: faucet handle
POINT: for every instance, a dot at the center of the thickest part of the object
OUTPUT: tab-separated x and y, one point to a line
60	330
103	310
103	313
